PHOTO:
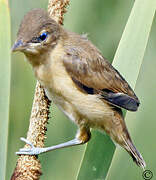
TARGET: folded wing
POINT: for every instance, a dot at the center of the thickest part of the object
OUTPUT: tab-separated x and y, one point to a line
95	75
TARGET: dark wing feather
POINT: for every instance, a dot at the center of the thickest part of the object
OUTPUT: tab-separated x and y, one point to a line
121	100
88	68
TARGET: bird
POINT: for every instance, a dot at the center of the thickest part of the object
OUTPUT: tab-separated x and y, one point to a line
79	80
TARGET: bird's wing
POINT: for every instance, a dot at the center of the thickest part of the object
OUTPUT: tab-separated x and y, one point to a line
95	75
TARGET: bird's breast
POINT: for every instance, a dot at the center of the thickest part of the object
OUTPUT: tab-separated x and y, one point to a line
81	107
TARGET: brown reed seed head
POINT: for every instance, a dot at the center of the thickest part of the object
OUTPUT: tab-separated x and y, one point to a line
57	8
39	117
29	167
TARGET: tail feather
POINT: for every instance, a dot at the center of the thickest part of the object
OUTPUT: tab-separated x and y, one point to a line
134	153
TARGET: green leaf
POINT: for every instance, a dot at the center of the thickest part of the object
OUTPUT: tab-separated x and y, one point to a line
97	158
5	61
128	60
138	125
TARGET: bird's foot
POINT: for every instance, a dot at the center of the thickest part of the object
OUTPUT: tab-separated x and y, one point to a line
30	151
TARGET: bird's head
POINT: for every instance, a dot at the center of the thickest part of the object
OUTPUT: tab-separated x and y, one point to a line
37	33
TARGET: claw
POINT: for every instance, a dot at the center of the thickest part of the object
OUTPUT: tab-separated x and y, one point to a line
27	142
30	151
22	153
24	150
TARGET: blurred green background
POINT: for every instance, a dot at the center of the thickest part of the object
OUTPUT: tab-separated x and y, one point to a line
104	21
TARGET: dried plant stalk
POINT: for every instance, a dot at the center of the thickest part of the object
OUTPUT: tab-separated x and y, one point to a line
57	8
29	167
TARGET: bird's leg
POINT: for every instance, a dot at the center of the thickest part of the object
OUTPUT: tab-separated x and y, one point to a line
82	137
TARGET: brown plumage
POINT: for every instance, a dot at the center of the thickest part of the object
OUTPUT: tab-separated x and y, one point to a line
82	83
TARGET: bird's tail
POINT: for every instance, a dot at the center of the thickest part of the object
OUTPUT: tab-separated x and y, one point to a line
134	153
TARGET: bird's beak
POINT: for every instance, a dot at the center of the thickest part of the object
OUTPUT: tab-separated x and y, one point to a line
18	46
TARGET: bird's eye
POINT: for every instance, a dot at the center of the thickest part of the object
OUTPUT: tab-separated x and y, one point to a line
43	36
